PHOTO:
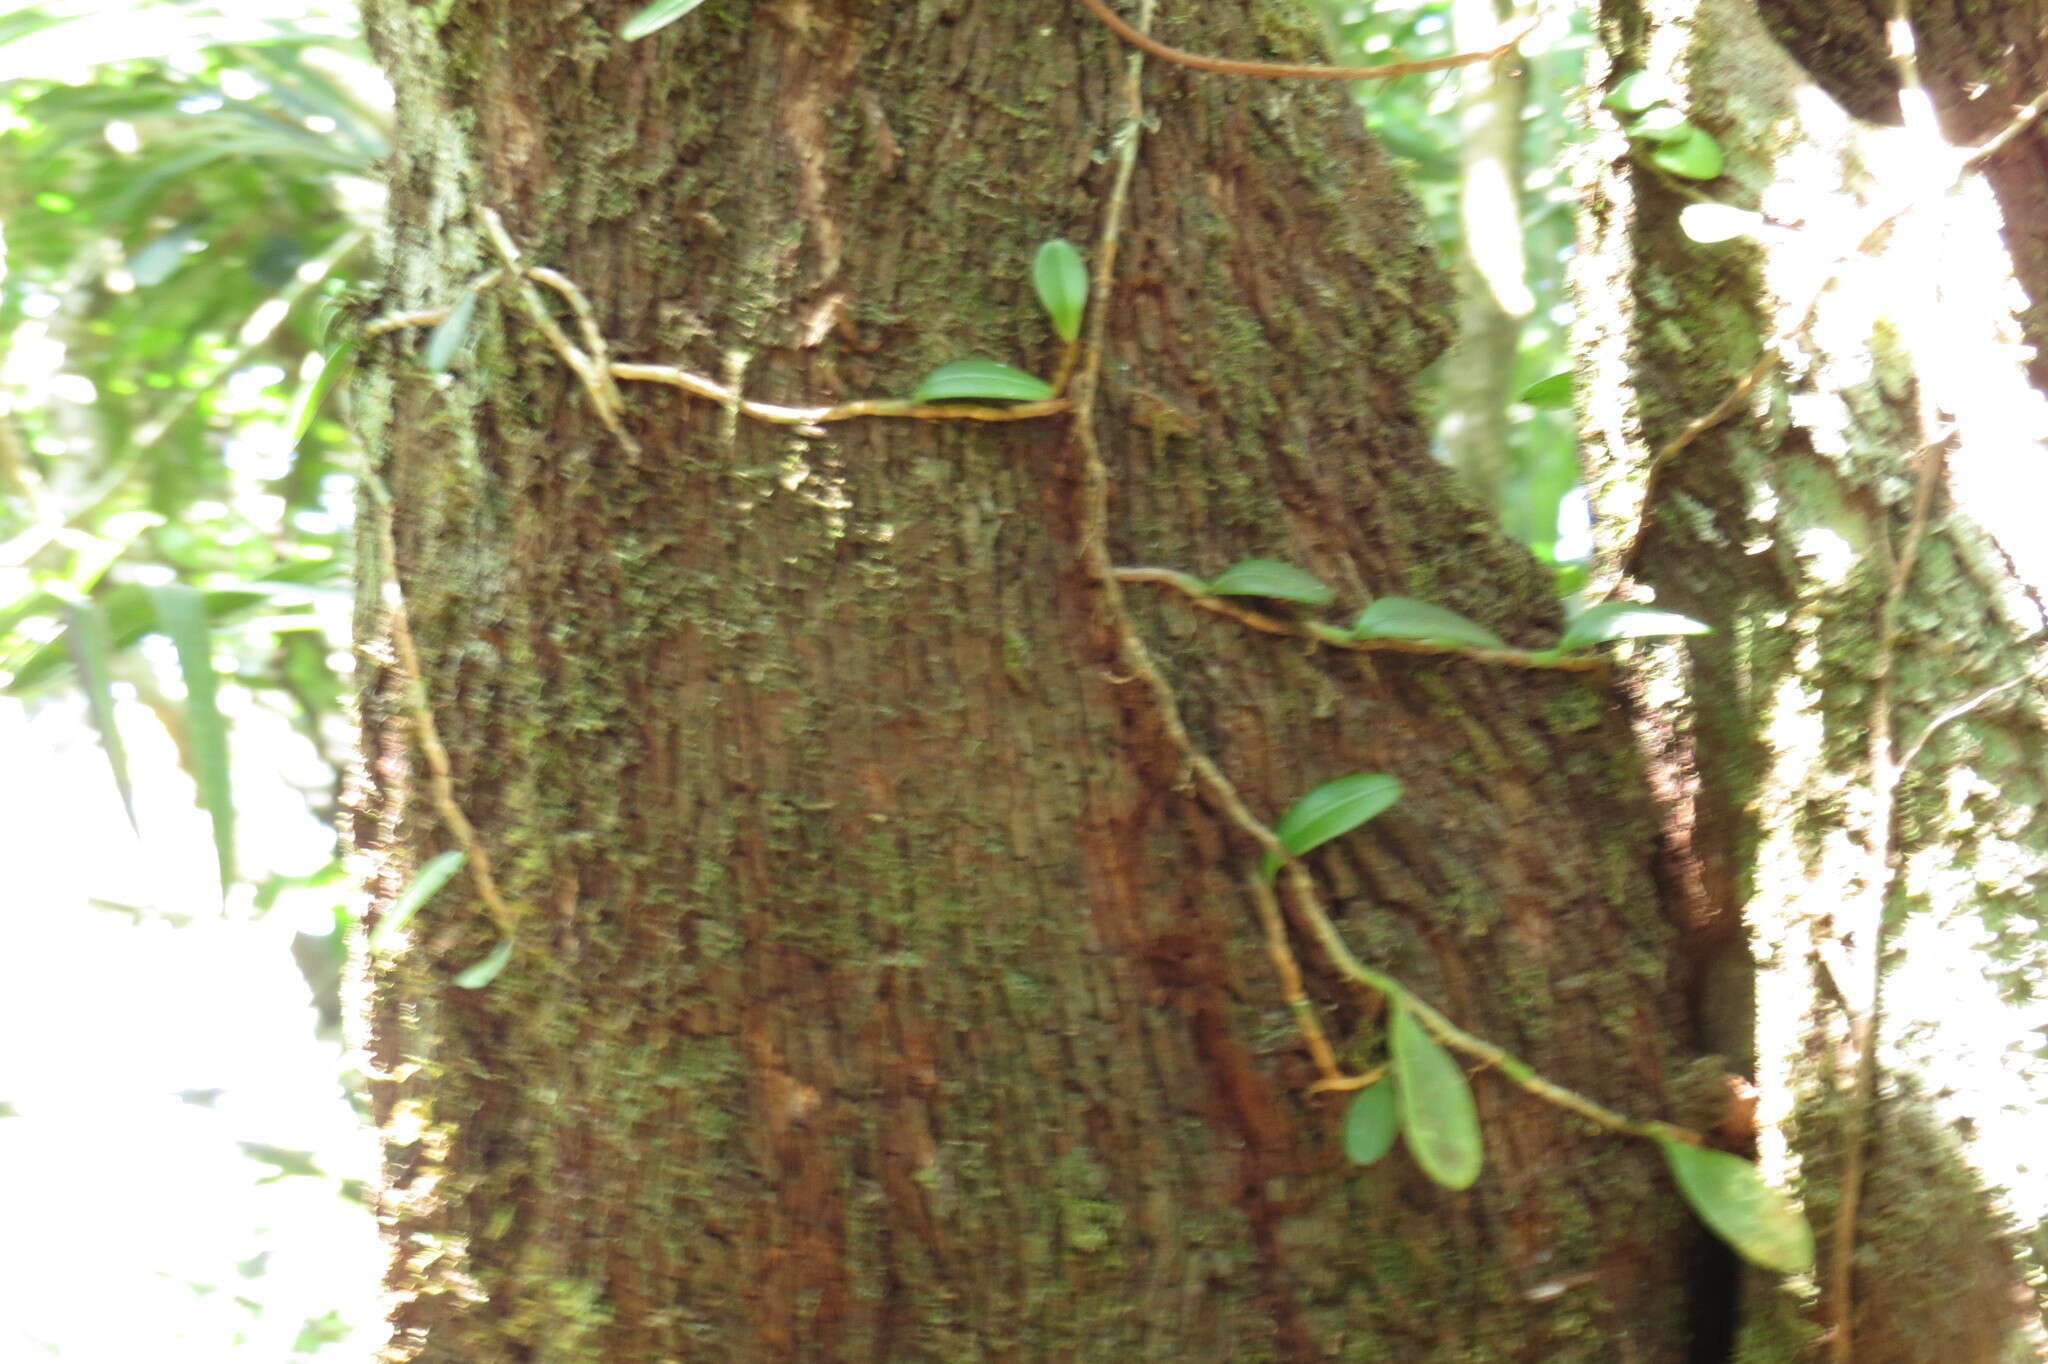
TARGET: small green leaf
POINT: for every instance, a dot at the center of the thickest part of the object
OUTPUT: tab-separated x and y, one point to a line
1551	394
448	336
1438	1117
1330	811
425	882
92	655
656	17
181	616
1731	1197
1634	93
1407	618
980	379
1661	125
1371	1123
306	402
1695	155
486	970
1710	223
1062	283
1271	578
1625	620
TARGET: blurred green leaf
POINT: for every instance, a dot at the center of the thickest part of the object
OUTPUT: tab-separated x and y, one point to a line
1271	578
1371	1123
1661	125
1731	1197
1407	618
181	617
1330	811
313	392
1625	620
1438	1117
448	335
1061	278
971	379
1551	394
425	883
1692	155
656	17
92	655
486	969
1635	92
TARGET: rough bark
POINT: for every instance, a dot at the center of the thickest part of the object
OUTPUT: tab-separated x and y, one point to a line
1786	527
886	992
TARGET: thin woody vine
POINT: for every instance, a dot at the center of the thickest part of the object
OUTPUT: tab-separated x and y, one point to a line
1420	1094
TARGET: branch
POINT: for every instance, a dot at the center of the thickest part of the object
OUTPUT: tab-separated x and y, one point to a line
1196	591
1227	66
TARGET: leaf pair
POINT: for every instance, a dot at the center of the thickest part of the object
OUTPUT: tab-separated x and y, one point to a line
1426	1099
1407	618
1060	278
1675	144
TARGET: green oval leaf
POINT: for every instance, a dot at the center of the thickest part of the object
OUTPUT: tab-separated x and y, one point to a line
1061	279
1438	1118
424	884
981	379
181	616
1694	155
1625	620
448	334
1407	618
486	970
1330	811
1550	394
1634	93
1271	578
656	17
1730	1196
1661	125
1371	1123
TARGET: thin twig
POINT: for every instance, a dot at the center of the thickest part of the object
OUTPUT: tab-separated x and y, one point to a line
1289	971
1957	712
440	772
767	412
1197	592
2025	115
1137	37
596	378
1863	941
838	412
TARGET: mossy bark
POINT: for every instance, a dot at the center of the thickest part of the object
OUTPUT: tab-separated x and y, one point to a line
1787	527
885	990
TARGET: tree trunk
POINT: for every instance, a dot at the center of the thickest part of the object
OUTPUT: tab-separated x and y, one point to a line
885	990
1851	765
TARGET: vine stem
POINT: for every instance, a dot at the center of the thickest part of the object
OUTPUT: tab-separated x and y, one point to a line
440	772
1198	593
1136	662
